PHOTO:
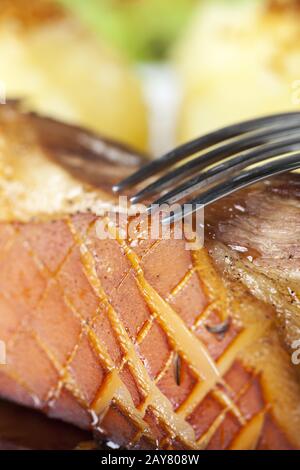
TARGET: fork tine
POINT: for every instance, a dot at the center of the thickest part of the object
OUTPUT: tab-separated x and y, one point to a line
218	172
259	138
202	143
240	181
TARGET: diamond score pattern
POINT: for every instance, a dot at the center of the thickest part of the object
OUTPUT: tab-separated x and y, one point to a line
50	292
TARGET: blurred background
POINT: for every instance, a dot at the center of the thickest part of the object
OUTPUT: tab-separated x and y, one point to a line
151	73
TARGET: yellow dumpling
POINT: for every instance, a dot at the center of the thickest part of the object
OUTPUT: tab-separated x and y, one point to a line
239	60
60	69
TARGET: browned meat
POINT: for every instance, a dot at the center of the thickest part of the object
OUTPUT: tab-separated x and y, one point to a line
256	240
26	429
149	344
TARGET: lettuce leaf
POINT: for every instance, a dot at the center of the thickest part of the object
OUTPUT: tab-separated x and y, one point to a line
143	29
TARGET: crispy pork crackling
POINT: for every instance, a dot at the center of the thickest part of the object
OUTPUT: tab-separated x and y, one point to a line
145	342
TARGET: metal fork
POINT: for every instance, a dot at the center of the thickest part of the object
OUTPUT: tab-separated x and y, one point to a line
230	159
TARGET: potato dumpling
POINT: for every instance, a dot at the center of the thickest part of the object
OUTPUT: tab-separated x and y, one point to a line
62	70
239	59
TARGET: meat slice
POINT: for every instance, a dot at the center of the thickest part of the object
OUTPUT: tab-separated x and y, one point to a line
142	341
109	336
